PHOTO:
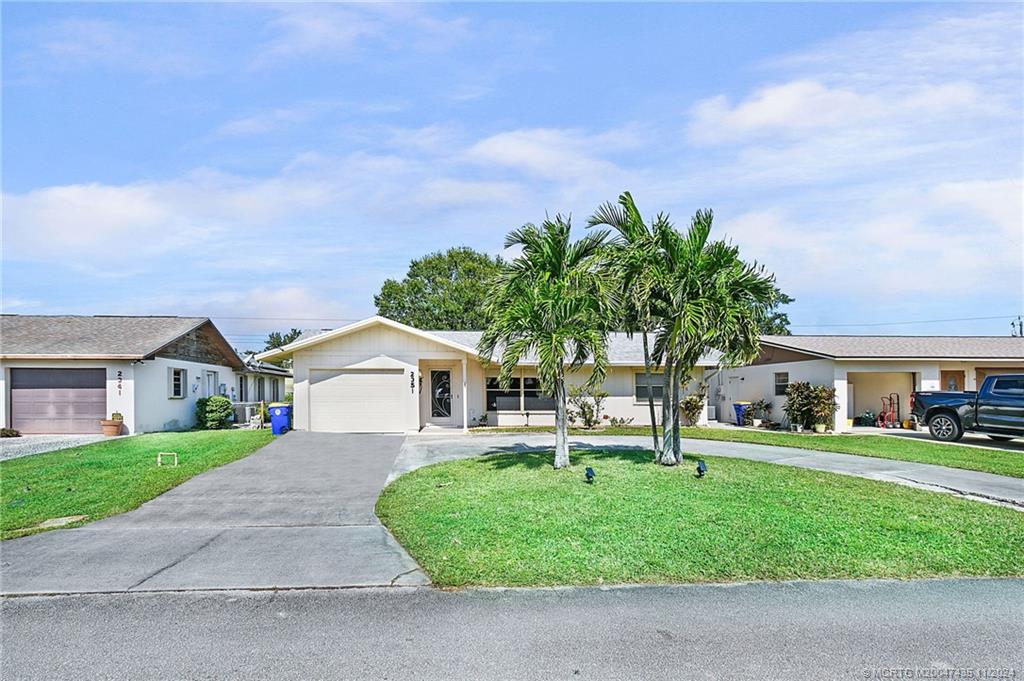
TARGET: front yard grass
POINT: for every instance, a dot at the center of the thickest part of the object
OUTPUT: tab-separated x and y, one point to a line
986	460
106	478
511	520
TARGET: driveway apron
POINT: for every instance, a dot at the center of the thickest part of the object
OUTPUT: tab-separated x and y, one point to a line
296	514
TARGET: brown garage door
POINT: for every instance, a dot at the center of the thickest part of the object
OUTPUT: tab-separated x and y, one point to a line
58	400
981	373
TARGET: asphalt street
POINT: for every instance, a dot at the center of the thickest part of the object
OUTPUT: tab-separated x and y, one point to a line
800	630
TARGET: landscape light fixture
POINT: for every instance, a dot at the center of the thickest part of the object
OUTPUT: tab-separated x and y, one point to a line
591	475
702	468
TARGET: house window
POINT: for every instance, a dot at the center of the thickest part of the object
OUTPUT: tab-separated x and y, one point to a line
1008	386
641	386
275	389
243	389
781	383
178	384
502	400
533	398
260	389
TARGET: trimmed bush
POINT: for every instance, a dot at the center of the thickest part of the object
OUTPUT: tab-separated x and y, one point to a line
213	413
9	432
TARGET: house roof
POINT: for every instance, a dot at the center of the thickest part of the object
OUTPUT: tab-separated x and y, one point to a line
622	350
95	337
255	366
902	347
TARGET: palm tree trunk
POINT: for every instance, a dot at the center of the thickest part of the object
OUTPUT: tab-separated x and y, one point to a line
561	430
666	455
650	396
677	444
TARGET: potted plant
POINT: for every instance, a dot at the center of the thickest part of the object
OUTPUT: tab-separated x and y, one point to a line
113	425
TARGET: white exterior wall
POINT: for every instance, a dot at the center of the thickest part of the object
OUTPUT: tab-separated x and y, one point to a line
752	383
367	344
251	380
120	384
156	411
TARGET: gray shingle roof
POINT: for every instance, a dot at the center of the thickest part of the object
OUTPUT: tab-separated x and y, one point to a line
622	349
100	336
905	347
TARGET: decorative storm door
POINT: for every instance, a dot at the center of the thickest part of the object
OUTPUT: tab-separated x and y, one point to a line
440	395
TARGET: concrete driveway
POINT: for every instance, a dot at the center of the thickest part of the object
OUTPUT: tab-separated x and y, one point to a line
296	514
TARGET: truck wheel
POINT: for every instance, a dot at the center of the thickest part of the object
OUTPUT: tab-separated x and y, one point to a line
1001	438
945	427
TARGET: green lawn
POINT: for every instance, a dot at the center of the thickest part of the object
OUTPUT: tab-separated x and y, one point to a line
987	460
510	519
107	478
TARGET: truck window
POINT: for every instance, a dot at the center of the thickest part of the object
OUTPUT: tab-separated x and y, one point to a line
1008	386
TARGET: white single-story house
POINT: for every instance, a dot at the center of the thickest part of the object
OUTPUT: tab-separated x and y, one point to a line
378	375
863	369
63	374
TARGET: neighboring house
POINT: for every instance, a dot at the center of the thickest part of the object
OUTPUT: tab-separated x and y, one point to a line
863	369
260	382
62	374
381	376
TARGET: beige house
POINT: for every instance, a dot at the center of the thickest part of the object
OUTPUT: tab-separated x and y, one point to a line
863	369
377	375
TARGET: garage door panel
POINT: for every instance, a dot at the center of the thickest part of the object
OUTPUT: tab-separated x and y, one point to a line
58	400
358	401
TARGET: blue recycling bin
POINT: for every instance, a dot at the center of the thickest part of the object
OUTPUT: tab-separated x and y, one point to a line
280	417
741	411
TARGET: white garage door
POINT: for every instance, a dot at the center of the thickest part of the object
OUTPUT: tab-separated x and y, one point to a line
357	401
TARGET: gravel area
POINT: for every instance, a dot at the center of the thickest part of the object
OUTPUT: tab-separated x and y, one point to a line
14	447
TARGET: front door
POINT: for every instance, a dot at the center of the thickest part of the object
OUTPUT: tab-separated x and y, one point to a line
951	381
440	396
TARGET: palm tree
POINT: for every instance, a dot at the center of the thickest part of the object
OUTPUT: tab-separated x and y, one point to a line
636	263
552	302
711	299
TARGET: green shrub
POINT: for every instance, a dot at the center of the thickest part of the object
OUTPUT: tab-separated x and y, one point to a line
823	404
807	404
798	404
585	405
213	413
9	432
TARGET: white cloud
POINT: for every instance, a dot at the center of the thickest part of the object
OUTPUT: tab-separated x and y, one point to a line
337	30
551	153
802	105
943	241
453	192
156	48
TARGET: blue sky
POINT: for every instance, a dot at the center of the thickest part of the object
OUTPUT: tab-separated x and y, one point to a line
271	165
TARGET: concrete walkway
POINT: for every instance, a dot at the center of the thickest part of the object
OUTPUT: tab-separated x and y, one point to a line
423	450
296	514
